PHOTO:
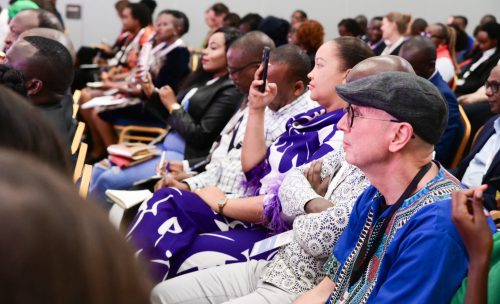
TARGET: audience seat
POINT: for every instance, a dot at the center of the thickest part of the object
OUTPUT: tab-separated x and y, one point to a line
140	134
77	139
465	138
453	83
76	97
475	136
195	59
80	162
85	181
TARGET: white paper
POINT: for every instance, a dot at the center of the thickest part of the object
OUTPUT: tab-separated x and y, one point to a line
102	101
271	243
116	215
127	199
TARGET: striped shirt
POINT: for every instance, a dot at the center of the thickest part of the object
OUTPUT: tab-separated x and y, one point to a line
224	169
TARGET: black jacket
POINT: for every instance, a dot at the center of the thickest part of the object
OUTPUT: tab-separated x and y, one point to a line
380	48
478	77
60	116
210	108
493	170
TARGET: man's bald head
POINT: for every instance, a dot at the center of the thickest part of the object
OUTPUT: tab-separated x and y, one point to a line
29	19
54	35
379	64
421	54
22	22
252	44
243	58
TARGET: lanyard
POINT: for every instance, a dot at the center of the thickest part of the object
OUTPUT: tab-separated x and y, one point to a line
233	138
365	253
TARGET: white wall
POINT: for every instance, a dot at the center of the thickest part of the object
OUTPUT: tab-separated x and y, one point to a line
99	20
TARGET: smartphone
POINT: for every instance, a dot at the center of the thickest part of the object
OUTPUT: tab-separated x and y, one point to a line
265	63
494	183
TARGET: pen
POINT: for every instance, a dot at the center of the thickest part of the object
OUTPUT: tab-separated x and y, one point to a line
162	159
199	164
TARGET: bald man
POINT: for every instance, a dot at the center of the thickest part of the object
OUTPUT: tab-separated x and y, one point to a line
421	53
298	266
29	19
379	64
48	71
54	35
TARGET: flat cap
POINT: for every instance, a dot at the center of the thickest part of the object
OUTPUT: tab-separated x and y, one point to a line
407	97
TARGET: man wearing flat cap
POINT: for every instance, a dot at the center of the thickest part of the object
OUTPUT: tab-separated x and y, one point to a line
400	245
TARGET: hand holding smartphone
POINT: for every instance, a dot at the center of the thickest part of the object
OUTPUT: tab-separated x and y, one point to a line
265	63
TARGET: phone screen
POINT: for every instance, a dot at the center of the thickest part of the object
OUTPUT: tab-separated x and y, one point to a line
265	63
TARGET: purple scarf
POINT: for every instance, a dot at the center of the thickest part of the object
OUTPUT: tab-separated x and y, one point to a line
301	143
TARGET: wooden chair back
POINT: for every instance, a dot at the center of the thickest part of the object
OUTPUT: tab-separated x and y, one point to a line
476	136
453	83
139	133
80	162
77	139
76	106
465	138
85	180
195	59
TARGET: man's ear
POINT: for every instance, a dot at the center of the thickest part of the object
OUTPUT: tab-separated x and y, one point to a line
402	136
299	88
34	86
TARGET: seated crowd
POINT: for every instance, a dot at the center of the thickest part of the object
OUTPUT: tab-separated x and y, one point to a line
362	169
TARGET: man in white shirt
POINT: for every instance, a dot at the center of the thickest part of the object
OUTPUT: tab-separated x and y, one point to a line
482	165
224	169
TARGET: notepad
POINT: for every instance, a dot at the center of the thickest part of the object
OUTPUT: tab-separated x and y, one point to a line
103	101
147	180
127	199
276	241
134	151
125	162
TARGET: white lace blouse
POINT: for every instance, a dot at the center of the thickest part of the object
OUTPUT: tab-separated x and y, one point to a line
298	266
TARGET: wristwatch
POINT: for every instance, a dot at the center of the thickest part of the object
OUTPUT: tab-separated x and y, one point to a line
222	203
174	107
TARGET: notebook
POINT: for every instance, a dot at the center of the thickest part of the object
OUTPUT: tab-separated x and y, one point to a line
273	242
134	151
128	198
125	162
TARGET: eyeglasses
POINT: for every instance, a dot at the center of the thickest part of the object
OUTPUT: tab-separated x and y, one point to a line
349	112
238	70
493	85
429	35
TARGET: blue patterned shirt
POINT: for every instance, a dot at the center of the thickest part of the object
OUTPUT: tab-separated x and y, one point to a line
421	258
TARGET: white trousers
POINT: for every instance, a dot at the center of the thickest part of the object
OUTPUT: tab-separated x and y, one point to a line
235	283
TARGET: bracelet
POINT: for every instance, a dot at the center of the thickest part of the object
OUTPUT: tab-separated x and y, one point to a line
222	203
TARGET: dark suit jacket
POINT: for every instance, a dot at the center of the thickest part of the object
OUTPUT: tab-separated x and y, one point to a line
477	78
448	144
60	116
209	110
493	170
395	52
174	70
380	48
